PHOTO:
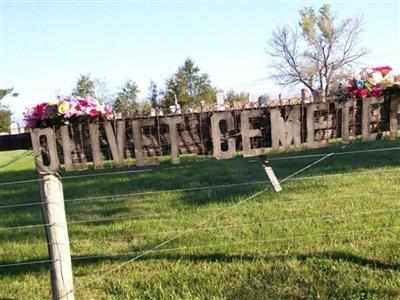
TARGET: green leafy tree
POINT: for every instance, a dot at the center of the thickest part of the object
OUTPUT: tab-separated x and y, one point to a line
5	120
188	87
323	51
5	92
145	108
85	87
126	101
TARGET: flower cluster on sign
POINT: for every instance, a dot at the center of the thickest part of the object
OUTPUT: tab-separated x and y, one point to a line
61	111
372	82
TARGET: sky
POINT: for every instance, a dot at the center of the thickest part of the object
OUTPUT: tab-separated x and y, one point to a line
45	45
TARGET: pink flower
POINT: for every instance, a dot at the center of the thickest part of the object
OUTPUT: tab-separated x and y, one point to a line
108	112
362	92
383	70
94	112
59	112
376	91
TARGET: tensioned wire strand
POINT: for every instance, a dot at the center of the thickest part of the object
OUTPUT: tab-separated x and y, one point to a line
289	203
240	225
144	215
341	233
15	159
150	170
383	229
127	217
97	174
219	186
131	217
98	277
196	188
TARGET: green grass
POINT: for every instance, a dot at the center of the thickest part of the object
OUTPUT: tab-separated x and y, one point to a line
334	236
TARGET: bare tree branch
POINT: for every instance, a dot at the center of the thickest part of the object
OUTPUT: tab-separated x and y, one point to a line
320	54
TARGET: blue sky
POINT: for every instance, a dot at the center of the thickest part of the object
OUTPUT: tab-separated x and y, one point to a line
45	45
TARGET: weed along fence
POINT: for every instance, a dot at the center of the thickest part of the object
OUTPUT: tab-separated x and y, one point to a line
81	146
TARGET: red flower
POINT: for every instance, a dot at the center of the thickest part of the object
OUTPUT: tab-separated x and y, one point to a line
362	92
94	112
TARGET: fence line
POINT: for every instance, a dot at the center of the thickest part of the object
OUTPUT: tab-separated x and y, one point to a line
106	174
195	188
204	209
26	226
129	217
383	229
268	204
149	170
187	231
216	186
17	158
28	263
240	225
155	215
334	154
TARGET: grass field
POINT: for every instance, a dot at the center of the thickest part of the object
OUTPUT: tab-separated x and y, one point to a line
333	232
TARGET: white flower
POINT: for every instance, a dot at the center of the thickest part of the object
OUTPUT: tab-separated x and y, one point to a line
377	77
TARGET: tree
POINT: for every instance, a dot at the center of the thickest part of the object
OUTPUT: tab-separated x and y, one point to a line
320	54
145	108
102	92
5	92
232	98
126	103
5	120
5	113
84	87
153	96
188	87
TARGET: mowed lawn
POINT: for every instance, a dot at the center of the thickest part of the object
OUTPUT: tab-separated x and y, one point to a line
333	232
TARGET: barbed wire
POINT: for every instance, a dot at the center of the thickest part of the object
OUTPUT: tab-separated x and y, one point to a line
149	170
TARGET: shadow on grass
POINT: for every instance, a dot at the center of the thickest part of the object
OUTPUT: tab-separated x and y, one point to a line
340	256
196	172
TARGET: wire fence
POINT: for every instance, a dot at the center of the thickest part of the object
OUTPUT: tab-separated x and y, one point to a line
212	221
121	197
390	229
129	172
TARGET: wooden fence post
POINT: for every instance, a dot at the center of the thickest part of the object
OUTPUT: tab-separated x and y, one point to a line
53	209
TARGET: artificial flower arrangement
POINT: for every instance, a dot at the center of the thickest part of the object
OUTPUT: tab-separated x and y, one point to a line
62	110
372	82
